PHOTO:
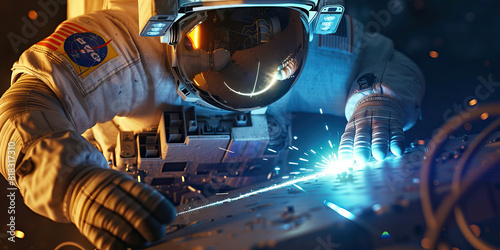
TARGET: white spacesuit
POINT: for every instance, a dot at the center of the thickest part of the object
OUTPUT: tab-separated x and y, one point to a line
96	75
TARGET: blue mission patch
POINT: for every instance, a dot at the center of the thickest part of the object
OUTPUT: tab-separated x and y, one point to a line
86	49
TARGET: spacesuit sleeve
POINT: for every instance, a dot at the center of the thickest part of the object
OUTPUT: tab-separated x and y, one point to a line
40	148
383	70
60	88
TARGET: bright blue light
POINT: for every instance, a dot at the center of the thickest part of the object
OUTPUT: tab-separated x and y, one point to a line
255	192
159	25
153	33
286	227
327	24
342	211
300	188
376	207
274	151
328	18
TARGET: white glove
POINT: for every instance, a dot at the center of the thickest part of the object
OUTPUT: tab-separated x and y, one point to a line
114	211
374	126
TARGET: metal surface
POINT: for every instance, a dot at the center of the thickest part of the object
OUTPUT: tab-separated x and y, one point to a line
308	206
374	206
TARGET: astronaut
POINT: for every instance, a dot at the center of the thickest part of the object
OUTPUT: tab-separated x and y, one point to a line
96	75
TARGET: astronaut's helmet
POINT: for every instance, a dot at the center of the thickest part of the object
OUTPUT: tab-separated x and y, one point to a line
240	58
237	55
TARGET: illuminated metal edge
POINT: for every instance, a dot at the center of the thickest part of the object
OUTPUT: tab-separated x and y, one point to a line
333	167
342	211
259	191
300	188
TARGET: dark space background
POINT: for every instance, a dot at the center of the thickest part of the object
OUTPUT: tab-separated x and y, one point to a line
463	36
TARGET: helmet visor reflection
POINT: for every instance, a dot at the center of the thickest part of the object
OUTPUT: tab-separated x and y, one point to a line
242	58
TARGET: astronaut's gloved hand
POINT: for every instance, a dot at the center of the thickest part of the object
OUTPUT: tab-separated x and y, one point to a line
114	211
374	127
